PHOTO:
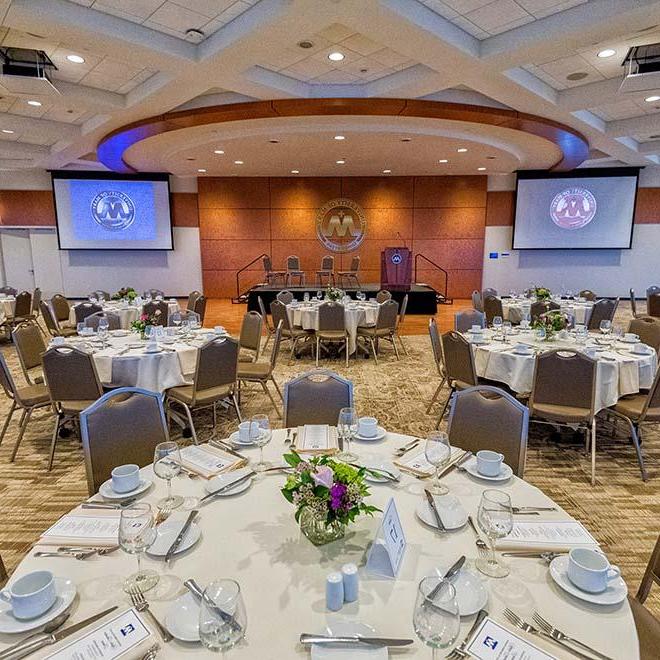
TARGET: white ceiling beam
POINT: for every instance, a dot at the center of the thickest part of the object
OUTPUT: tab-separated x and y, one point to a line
652	147
644	124
22	124
91	98
413	82
592	95
11	149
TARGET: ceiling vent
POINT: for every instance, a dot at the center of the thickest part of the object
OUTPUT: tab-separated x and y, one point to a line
642	69
26	72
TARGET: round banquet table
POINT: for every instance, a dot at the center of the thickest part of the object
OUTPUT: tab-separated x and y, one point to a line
306	316
515	309
127	313
619	371
7	306
253	538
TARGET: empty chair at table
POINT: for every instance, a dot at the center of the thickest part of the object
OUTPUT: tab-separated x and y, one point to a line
250	337
486	417
294	334
400	321
350	277
192	297
492	308
466	318
653	301
8	290
331	327
648	330
61	310
385	328
540	307
123	426
85	309
73	385
51	324
34	307
270	329
214	381
285	297
157	310
199	308
383	295
272	276
587	294
327	271
316	397
603	310
647	625
477	301
22	308
114	321
153	293
485	293
436	347
100	294
30	346
3	574
293	270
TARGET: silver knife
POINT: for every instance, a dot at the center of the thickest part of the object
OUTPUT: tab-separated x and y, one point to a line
198	594
107	505
179	538
306	638
29	647
477	622
219	444
467	455
455	568
229	486
431	502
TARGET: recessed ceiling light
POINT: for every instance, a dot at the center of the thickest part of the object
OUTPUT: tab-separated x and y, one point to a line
461	150
76	59
191	158
219	151
6	130
305	44
608	52
652	99
339	137
202	170
274	141
238	162
578	75
406	139
336	56
340	162
387	171
443	160
36	104
481	169
295	171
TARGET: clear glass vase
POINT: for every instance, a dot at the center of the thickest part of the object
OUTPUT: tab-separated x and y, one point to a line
318	531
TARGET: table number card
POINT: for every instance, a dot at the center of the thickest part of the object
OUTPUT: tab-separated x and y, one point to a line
387	550
493	642
208	461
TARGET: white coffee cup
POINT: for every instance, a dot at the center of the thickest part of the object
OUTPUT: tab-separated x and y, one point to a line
368	427
31	595
589	570
631	336
218	329
476	328
125	478
489	463
58	341
244	431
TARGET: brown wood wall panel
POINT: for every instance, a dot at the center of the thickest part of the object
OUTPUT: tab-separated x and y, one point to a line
500	208
184	209
647	209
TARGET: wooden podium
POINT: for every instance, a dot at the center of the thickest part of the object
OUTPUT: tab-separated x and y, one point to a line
396	269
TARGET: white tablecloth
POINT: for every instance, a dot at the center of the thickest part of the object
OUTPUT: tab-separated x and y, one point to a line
7	306
127	314
619	372
253	538
306	316
514	309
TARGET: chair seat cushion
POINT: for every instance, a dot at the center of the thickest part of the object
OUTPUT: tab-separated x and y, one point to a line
560	413
184	393
330	335
295	332
631	406
648	630
68	332
33	395
74	407
258	370
364	331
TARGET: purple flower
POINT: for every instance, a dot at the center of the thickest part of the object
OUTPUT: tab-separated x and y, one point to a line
323	476
337	493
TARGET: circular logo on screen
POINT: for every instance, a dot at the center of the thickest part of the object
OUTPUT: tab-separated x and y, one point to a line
396	258
573	208
113	210
340	225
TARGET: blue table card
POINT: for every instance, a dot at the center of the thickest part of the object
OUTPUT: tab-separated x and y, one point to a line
387	550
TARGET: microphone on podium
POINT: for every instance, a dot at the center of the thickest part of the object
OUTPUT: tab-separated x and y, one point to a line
402	238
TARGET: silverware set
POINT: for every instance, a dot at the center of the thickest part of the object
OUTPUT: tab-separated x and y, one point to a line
482	546
547	557
406	448
151	653
141	605
460	652
225	446
180	536
306	638
107	505
73	552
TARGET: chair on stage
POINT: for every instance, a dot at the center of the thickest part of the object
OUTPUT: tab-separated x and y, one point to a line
293	270
327	271
272	275
285	297
350	277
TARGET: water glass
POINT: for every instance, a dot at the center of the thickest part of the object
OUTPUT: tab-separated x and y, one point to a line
605	326
506	330
436	619
438	452
540	334
175	319
319	295
495	518
80	328
497	323
136	534
194	320
260	435
347	426
167	465
222	617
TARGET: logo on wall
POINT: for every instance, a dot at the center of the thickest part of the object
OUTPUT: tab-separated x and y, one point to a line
341	225
573	208
113	210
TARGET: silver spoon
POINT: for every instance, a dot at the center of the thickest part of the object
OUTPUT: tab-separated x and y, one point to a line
49	628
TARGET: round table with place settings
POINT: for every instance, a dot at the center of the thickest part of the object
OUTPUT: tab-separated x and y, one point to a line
127	312
7	306
251	536
515	309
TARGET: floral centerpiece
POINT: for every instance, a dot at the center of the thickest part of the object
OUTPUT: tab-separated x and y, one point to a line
552	322
542	293
145	320
327	494
127	292
334	294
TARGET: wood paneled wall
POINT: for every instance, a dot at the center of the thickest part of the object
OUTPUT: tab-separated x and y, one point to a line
441	217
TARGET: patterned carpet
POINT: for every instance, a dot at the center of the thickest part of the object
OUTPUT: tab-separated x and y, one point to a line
621	511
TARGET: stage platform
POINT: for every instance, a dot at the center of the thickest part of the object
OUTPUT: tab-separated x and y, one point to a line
421	298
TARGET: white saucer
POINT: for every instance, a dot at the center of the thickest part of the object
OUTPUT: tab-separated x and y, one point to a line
182	618
119	333
380	434
151	351
66	592
233	438
471	593
629	341
451	511
166	533
471	467
645	351
528	352
478	340
616	592
348	651
223	479
106	490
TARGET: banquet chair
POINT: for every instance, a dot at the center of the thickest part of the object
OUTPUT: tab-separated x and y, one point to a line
332	327
279	313
3	573
263	372
215	380
293	270
459	366
466	318
100	293
540	307
158	310
316	397
72	383
648	330
587	294
436	346
485	293
564	394
349	277
61	310
85	309
34	307
653	301
22	309
477	301
492	308
192	297
28	399
633	304
114	322
385	328
123	426
200	308
327	270
8	290
400	320
383	295
603	310
647	625
285	296
250	337
52	325
270	329
272	276
30	346
153	294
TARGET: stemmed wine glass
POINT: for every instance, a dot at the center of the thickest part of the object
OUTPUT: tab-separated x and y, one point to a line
605	326
167	465
319	295
136	534
495	518
347	426
438	451
103	330
436	618
497	324
175	319
260	435
222	616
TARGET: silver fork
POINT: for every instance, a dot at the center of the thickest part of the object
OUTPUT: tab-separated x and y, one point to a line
480	543
547	557
163	514
141	605
460	652
559	635
151	653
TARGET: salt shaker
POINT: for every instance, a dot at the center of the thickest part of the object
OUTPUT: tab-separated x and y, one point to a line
351	582
334	591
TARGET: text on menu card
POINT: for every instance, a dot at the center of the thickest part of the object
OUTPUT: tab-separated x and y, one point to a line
493	642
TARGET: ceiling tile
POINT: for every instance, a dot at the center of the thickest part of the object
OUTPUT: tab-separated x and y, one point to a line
388	57
555	8
336	32
210	8
139	8
361	44
465	6
335	77
177	17
500	12
309	68
510	26
439	7
469	27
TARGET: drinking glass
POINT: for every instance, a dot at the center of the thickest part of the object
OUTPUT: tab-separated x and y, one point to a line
194	321
540	334
605	326
136	534
103	330
513	293
185	326
497	323
438	451
617	333
495	518
80	328
260	435
347	426
222	617
319	294
167	464
435	618
175	319
306	296
506	330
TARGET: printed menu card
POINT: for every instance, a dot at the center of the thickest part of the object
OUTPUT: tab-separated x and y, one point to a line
316	439
551	534
208	461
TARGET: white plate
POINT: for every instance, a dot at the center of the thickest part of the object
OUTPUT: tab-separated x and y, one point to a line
233	438
380	434
478	340
376	463
66	592
615	593
471	467
166	533
223	479
348	651
629	341
182	618
471	593
451	511
646	351
106	490
119	333
151	351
